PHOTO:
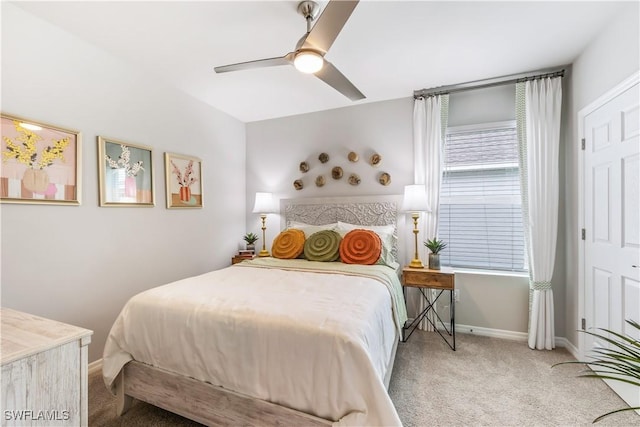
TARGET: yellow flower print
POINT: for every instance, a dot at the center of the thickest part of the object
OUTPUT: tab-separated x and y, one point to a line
24	149
50	154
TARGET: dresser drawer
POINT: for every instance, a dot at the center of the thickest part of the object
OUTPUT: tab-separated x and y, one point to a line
428	279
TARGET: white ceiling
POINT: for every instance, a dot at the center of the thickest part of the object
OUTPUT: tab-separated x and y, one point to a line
387	48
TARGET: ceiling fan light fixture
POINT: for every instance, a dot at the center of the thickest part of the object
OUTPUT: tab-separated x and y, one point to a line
308	61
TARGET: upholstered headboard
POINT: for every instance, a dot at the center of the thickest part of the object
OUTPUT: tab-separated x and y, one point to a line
360	210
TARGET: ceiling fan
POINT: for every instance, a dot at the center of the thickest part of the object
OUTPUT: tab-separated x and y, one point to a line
308	56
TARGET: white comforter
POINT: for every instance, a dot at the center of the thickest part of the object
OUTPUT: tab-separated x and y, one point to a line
318	342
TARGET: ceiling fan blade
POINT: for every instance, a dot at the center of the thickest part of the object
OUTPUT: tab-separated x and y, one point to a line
260	63
329	25
334	78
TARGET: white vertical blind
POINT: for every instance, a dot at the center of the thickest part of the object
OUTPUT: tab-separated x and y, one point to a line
480	204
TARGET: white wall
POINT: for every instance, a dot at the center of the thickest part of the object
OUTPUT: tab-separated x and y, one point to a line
608	59
276	147
80	264
487	105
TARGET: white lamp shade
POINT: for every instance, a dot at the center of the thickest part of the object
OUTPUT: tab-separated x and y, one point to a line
264	203
415	199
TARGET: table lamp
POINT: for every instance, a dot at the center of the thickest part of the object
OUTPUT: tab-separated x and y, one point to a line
264	205
415	201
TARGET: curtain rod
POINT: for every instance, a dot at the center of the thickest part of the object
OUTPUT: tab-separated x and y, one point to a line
496	81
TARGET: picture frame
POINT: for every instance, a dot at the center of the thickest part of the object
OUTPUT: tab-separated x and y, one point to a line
183	179
125	174
41	163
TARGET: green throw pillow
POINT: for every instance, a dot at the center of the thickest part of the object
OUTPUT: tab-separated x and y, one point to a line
322	246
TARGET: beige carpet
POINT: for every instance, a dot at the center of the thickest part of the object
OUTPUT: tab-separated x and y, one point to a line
486	382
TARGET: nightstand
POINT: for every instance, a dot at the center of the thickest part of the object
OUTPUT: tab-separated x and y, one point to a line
439	280
239	258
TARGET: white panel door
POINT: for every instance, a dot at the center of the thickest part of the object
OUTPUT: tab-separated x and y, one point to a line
612	222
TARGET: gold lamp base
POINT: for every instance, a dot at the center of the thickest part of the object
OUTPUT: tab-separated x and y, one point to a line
415	262
264	251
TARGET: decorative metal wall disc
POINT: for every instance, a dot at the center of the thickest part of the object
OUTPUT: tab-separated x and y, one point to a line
320	181
336	173
354	179
297	184
375	159
353	156
304	167
384	179
323	157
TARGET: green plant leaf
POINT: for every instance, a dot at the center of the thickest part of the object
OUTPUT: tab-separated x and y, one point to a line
615	412
622	345
434	245
250	238
620	362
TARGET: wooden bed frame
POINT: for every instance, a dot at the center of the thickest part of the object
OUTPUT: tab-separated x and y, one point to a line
213	405
201	401
205	403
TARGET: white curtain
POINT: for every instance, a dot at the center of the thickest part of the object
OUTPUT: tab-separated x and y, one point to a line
430	117
539	131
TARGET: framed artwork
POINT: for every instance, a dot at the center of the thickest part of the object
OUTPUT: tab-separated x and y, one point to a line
40	163
125	174
183	175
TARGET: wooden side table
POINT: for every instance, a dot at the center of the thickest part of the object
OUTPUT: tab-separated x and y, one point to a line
239	258
441	280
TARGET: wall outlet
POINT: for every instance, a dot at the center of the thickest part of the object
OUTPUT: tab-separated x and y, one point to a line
456	295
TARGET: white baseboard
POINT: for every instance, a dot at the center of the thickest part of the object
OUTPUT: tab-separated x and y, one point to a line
563	342
516	336
95	366
486	332
494	333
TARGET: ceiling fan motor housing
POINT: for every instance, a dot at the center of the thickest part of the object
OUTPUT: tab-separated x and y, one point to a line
309	9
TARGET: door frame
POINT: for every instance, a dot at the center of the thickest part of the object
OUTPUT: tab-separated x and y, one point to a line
584	112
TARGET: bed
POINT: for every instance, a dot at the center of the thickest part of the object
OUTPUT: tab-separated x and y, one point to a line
268	341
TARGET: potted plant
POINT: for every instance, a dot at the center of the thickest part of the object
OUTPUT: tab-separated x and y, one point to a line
251	239
619	362
435	246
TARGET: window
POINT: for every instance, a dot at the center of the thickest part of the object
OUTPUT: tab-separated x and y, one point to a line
480	205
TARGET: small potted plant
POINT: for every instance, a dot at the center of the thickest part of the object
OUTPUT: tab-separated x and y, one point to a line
251	239
435	246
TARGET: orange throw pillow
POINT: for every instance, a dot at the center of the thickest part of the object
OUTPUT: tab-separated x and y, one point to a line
360	247
288	244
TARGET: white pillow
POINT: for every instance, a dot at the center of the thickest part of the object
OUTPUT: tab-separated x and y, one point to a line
309	229
389	241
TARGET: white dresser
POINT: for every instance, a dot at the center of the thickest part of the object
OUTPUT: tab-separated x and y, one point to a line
44	371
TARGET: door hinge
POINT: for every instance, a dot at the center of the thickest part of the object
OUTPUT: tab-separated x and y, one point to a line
584	234
584	143
584	324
